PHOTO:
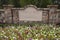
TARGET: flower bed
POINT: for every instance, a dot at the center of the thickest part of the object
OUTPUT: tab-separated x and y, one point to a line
43	32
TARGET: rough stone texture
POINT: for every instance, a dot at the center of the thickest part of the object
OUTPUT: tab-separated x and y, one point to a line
2	17
53	13
45	16
15	15
30	13
8	14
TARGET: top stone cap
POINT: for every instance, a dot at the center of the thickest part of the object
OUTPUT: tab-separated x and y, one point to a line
52	6
7	5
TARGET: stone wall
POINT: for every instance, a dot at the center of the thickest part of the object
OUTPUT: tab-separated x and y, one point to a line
30	13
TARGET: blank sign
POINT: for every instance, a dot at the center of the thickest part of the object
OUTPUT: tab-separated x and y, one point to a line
30	14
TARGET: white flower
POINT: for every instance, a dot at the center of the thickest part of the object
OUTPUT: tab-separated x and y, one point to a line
44	35
12	27
14	37
1	34
57	39
8	30
34	39
36	34
54	28
44	31
41	39
5	36
3	31
16	29
55	36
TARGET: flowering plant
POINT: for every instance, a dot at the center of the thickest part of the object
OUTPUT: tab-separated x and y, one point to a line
43	32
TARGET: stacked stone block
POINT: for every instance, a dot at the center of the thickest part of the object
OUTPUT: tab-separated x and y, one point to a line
8	14
53	13
45	16
2	17
15	15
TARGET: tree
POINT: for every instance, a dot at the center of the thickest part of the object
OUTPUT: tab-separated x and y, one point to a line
44	3
16	3
38	3
4	2
57	2
0	4
21	3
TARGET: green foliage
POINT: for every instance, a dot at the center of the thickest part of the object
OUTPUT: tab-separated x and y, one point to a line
16	3
5	2
22	3
3	25
36	32
44	3
38	3
0	4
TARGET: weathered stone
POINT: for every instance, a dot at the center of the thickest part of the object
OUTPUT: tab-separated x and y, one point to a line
30	13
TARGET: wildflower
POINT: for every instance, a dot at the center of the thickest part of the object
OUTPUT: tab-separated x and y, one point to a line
54	28
3	31
14	37
34	39
5	36
12	27
16	29
36	34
